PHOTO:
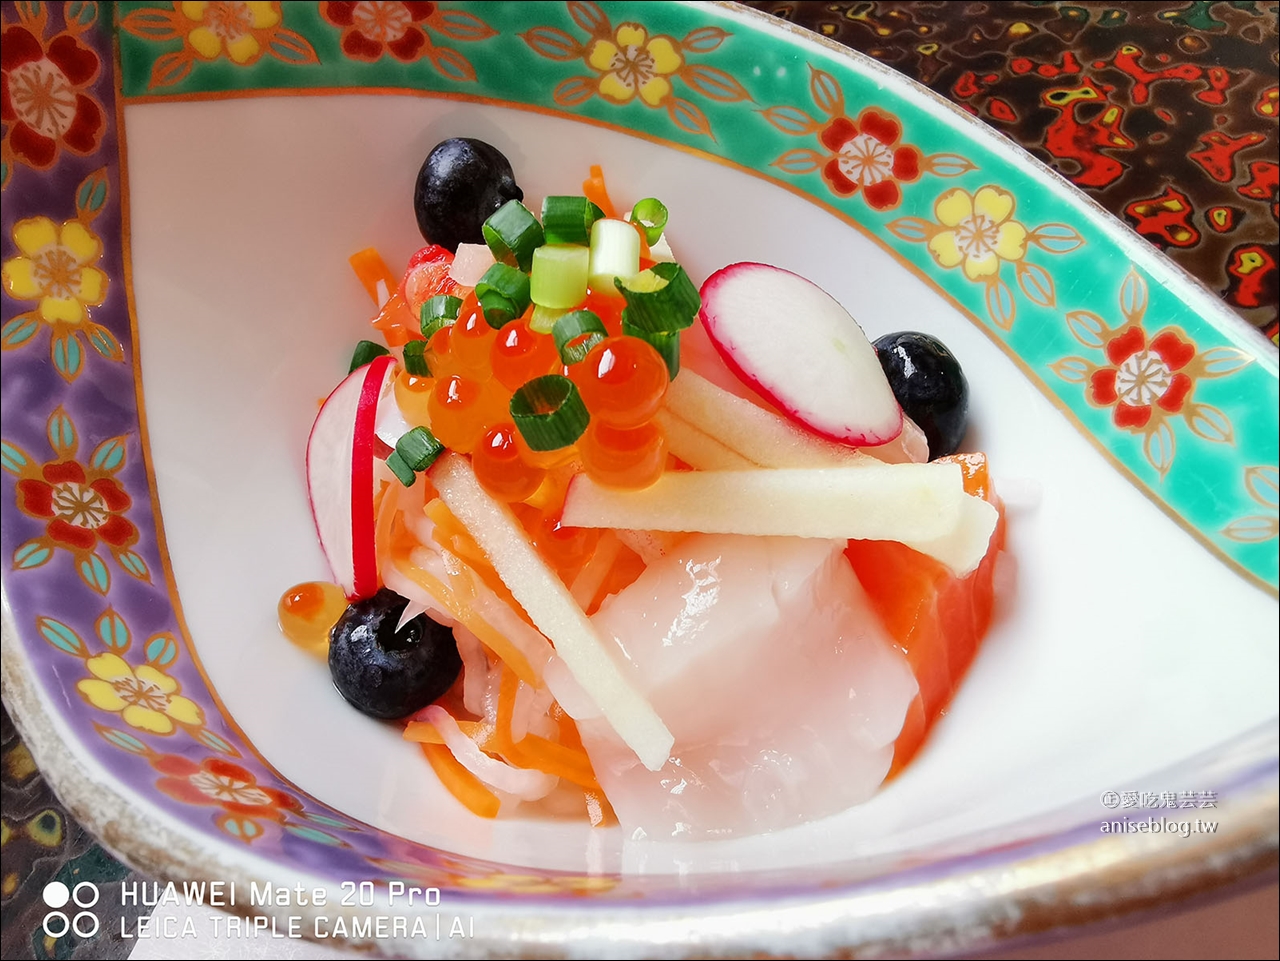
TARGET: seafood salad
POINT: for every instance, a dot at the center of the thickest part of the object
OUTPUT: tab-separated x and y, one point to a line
689	555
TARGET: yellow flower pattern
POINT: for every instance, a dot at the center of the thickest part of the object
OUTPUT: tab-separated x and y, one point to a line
56	268
228	25
631	64
56	271
239	31
144	697
979	232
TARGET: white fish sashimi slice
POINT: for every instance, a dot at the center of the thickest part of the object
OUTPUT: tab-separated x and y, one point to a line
775	677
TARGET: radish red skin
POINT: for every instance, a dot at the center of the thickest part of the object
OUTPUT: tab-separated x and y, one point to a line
364	554
357	573
853	437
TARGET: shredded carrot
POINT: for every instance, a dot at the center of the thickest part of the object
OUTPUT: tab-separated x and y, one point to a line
569	735
424	732
461	783
450	534
532	751
396	323
536	752
508	685
371	268
402	544
593	189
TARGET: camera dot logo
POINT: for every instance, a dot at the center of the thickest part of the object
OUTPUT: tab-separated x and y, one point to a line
83	922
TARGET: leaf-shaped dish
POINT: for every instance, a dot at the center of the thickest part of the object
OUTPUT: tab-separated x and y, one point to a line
179	234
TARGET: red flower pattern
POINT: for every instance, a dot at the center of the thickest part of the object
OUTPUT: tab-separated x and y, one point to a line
218	783
44	98
866	155
80	512
371	28
1142	377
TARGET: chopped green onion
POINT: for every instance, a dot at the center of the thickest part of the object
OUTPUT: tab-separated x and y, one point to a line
404	473
365	351
660	300
415	362
568	220
543	319
438	311
667	345
615	252
569	332
549	412
513	234
503	293
559	275
651	215
419	448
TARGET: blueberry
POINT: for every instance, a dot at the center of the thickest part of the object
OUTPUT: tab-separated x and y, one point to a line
461	183
387	673
930	386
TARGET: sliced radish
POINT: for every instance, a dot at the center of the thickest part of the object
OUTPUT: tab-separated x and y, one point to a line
340	476
794	344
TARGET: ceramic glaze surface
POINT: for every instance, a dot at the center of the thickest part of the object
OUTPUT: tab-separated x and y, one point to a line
176	226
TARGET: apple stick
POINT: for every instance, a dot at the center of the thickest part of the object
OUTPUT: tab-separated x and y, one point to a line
699	450
963	548
921	505
552	609
759	435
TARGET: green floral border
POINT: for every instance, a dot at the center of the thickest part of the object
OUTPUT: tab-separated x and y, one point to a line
1184	400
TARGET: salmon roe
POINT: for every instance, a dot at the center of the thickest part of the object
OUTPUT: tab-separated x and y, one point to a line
520	354
499	468
456	412
307	612
545	458
622	381
472	339
564	548
630	458
439	342
413	396
608	307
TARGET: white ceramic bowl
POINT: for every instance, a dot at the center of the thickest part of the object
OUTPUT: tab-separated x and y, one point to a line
1131	675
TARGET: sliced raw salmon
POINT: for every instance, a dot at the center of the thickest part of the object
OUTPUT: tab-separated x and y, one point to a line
936	618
